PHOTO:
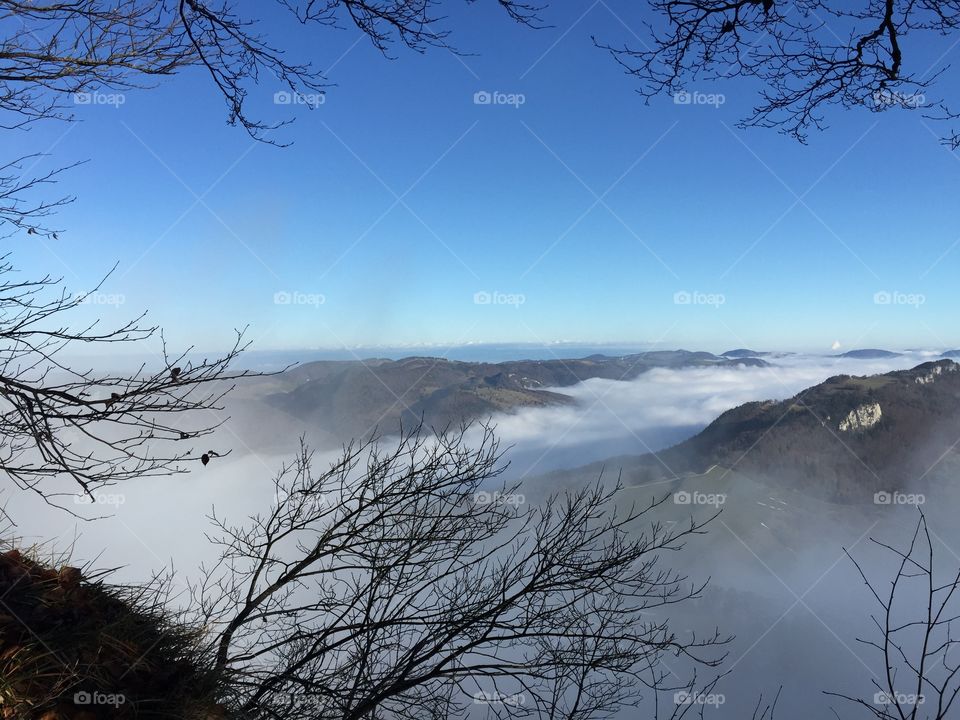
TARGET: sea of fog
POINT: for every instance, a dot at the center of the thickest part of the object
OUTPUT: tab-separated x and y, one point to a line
797	612
663	407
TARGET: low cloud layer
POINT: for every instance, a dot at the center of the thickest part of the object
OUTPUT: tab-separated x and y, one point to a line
662	407
162	520
785	590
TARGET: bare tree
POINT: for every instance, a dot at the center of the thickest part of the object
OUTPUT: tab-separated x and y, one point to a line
807	55
411	582
100	428
52	50
919	673
93	428
19	207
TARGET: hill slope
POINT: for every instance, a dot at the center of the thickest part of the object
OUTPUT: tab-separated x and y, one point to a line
73	647
842	440
348	399
869	354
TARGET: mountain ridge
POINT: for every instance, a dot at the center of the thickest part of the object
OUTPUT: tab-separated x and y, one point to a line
349	398
844	439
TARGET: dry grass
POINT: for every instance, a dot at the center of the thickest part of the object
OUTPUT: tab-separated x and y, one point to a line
73	646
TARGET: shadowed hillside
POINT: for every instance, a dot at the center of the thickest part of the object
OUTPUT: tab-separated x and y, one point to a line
348	399
842	440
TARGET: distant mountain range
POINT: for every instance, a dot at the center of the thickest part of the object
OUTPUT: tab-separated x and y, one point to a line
842	440
859	354
870	354
743	353
349	398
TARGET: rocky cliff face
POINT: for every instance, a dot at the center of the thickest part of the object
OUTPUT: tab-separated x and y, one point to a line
862	418
936	371
843	440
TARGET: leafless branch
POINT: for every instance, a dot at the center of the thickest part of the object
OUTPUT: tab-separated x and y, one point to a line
411	582
807	55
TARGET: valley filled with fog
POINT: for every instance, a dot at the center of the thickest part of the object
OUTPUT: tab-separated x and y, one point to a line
391	360
779	580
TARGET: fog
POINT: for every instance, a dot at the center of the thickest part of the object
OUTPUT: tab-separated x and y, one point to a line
779	578
662	407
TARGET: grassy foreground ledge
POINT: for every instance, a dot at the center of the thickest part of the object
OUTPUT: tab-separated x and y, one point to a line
74	647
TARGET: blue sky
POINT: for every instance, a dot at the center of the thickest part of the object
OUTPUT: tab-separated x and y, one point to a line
581	215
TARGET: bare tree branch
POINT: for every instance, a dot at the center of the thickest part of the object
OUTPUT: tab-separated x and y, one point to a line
53	51
410	582
93	428
916	643
807	55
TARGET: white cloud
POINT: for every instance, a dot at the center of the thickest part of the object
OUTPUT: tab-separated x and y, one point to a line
662	407
163	519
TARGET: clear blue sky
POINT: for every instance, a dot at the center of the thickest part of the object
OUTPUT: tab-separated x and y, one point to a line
503	200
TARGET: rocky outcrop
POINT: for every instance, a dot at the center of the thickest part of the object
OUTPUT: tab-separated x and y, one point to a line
862	418
893	428
929	377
